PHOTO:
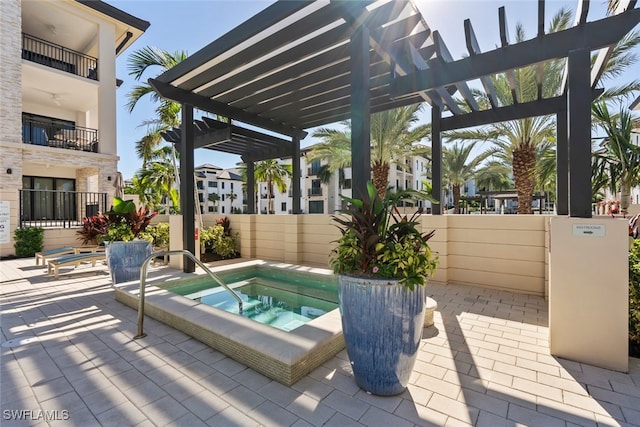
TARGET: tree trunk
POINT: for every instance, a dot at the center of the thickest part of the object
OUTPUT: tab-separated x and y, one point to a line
456	199
625	199
524	164
380	177
270	196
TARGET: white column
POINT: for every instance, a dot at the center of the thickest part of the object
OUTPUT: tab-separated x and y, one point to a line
107	89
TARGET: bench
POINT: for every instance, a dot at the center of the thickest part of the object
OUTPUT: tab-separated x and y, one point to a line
74	260
52	253
57	252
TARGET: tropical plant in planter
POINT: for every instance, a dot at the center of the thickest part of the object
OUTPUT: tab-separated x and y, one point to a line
383	262
125	252
119	229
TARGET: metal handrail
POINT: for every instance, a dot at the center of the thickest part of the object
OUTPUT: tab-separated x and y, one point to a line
143	279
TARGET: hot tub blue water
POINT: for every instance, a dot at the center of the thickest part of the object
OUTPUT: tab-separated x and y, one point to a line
273	296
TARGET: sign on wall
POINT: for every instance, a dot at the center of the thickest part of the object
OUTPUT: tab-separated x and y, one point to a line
589	230
5	222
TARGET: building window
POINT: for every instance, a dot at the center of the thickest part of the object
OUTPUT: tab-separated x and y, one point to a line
223	197
222	209
315	167
199	185
211	209
283	207
48	198
232	186
316	188
213	184
223	185
347	184
316	206
200	198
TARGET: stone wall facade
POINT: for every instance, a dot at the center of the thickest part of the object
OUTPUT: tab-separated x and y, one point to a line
10	111
10	71
91	171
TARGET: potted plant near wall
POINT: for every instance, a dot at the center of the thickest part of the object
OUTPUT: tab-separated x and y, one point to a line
119	230
125	252
383	262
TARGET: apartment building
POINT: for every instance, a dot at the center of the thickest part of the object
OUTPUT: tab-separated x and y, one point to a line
58	117
321	193
219	190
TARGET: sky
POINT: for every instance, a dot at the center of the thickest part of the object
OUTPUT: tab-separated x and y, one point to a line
191	25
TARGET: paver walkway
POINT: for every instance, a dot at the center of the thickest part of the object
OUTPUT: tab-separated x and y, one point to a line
484	363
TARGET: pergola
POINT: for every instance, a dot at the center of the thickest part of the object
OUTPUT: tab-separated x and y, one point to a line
300	64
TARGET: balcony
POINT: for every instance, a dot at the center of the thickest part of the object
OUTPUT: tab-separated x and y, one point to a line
58	57
59	209
314	192
50	134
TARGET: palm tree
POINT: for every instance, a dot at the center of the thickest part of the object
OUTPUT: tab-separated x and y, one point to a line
273	173
619	158
521	140
160	176
214	198
494	176
457	168
167	112
391	139
232	196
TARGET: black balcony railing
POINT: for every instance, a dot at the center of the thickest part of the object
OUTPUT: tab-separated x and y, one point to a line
59	209
38	132
314	191
59	57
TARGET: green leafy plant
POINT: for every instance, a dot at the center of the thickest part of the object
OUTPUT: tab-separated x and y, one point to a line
157	234
215	241
125	212
124	222
28	241
377	241
634	293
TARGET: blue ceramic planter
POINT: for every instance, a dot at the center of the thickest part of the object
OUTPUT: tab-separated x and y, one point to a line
382	325
125	259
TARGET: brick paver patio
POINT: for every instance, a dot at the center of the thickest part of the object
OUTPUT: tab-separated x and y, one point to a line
68	358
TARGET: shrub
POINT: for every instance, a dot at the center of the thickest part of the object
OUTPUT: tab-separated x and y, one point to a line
28	241
214	241
634	292
123	222
157	234
93	229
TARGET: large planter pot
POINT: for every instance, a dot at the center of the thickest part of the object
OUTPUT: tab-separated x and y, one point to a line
382	325
125	259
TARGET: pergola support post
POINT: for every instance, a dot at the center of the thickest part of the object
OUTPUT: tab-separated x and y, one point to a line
436	160
579	116
251	188
562	163
187	188
360	112
295	188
